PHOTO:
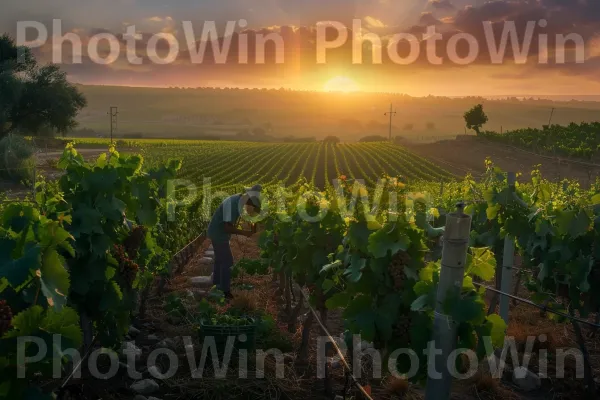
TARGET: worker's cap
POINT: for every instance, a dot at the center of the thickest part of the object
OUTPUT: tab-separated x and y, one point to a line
253	194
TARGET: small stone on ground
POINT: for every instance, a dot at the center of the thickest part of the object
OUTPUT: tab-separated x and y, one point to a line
525	379
146	386
202	281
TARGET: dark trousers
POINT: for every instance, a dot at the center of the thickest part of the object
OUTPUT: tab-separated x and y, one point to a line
223	265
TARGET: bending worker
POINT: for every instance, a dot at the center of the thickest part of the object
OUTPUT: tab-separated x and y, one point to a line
223	224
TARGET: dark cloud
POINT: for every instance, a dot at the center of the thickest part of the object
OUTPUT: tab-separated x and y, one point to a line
445	5
428	19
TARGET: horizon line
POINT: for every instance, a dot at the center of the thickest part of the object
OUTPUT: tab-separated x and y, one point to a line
572	97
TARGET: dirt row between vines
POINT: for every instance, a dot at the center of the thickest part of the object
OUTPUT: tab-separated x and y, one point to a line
468	154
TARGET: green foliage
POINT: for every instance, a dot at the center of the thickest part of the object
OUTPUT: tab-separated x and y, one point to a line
476	118
106	197
345	259
247	266
34	98
35	284
16	159
174	306
229	320
573	140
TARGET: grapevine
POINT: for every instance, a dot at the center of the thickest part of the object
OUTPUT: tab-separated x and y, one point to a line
5	317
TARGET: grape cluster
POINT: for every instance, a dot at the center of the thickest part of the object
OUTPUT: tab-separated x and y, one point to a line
127	268
134	241
5	317
396	269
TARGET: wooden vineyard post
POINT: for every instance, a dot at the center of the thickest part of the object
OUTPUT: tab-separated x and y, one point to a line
454	258
507	261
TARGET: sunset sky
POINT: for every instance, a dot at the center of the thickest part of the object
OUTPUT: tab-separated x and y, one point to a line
299	18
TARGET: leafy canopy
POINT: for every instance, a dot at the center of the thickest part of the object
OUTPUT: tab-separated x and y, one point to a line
34	98
476	118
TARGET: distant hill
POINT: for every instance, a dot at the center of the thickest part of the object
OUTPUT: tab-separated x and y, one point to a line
279	114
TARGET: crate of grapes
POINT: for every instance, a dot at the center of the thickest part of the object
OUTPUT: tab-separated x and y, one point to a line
240	331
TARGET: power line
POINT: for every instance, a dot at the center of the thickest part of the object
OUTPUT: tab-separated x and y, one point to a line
112	113
551	115
391	113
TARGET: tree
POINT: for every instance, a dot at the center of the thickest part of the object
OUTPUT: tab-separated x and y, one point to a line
476	118
34	98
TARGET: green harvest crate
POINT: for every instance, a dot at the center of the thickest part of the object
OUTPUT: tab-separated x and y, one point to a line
221	333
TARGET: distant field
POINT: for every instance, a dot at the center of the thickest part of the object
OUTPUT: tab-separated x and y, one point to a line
194	113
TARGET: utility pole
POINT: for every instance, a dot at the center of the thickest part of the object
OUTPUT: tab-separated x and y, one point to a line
391	113
112	113
551	115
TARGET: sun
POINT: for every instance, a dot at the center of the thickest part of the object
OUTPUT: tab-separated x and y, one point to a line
341	84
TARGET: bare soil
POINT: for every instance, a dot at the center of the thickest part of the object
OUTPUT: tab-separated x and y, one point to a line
467	154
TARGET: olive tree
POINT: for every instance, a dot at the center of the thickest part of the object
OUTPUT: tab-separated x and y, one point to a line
476	118
34	98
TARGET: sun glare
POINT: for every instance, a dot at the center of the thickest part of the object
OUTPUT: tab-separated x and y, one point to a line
341	84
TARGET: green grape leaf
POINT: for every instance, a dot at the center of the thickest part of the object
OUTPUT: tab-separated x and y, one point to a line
381	242
572	223
110	273
18	216
64	322
467	308
327	285
420	303
426	274
492	211
54	279
424	288
338	300
488	195
330	267
481	263
101	160
147	216
545	193
365	324
112	297
27	322
17	271
497	329
354	270
373	224
468	284
542	227
358	234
